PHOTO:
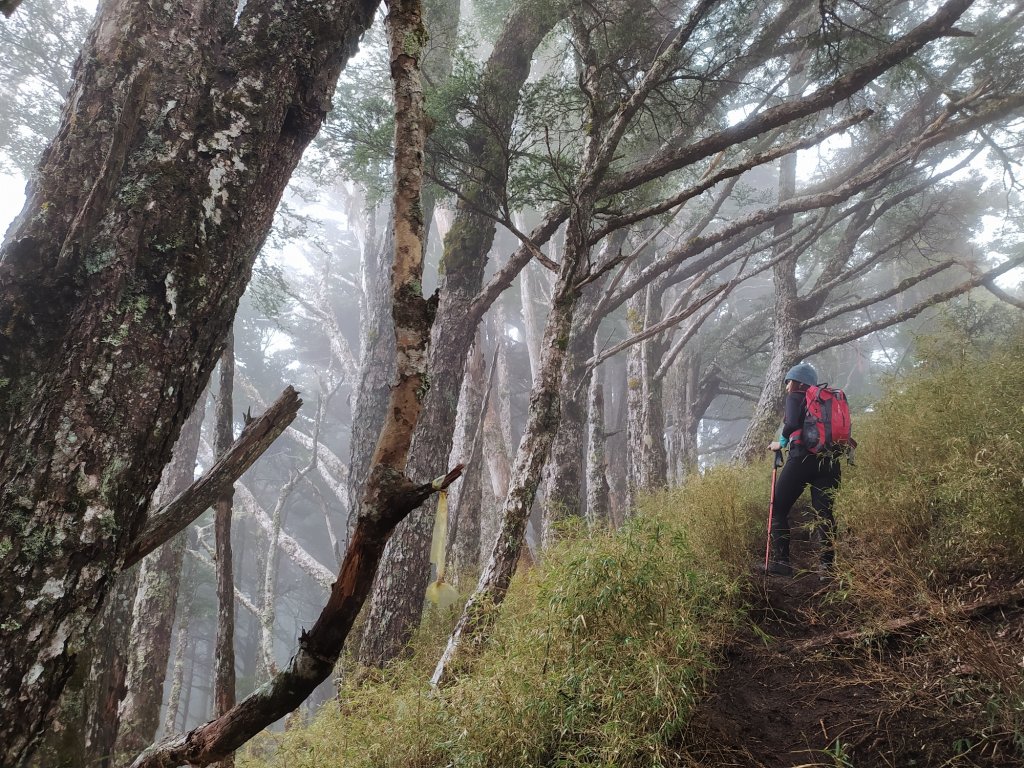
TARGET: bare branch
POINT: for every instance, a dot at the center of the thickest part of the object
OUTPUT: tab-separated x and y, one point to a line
901	287
197	498
914	311
1002	295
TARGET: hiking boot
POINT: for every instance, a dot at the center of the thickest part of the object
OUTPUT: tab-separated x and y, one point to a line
780	568
826	572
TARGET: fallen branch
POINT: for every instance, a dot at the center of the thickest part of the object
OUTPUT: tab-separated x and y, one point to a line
257	436
903	623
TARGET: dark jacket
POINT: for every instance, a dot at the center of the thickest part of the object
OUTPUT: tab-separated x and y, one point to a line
793	421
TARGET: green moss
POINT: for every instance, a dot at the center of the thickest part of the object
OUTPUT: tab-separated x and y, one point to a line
424	387
97	261
133	192
35	543
112	477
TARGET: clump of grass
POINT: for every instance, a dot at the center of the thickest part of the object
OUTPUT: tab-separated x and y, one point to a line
938	486
724	513
597	659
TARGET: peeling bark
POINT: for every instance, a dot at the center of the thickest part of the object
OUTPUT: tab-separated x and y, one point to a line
390	495
397	602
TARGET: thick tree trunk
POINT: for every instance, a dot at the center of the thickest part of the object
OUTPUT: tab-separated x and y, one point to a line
118	282
397	601
159	576
224	647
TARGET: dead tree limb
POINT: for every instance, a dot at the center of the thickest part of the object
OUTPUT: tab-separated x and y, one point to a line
255	439
904	623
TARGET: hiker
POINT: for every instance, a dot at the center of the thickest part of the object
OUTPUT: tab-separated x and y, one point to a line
814	461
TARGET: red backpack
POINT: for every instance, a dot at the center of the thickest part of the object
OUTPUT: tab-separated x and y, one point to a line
827	423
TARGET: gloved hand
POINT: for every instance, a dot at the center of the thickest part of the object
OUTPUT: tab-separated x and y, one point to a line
775	446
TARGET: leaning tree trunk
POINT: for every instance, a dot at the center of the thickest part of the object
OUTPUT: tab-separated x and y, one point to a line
397	602
541	426
118	282
785	332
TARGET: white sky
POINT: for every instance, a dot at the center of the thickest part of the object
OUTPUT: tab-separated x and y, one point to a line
12	197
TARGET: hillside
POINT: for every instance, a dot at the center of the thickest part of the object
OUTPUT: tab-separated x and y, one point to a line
806	683
663	644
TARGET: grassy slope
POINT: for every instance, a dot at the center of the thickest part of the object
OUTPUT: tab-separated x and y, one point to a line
601	653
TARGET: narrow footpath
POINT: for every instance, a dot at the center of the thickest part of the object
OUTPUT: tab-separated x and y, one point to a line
804	684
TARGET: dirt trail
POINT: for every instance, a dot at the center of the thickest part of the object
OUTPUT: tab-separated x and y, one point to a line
886	703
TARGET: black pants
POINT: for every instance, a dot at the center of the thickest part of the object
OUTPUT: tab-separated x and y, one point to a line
823	474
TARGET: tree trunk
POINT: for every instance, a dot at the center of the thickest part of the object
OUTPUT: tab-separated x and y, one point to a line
118	282
598	490
224	648
377	363
645	421
464	505
542	423
785	332
390	495
159	576
566	464
180	652
688	418
397	601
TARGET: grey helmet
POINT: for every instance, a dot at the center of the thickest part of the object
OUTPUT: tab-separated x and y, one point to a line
804	373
